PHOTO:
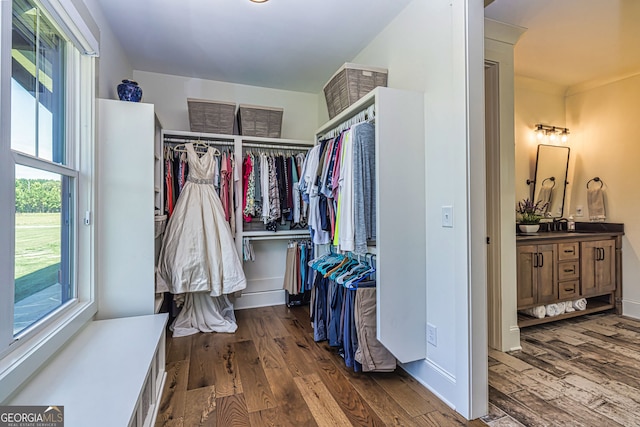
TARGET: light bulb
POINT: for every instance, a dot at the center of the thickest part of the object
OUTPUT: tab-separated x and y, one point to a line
539	132
565	136
552	136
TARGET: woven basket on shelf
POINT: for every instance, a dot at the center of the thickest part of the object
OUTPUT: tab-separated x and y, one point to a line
350	83
255	120
211	116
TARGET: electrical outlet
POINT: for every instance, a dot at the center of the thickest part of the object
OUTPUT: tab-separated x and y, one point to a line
432	334
579	210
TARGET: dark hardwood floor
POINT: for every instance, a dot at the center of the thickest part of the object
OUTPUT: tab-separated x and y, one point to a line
272	373
577	372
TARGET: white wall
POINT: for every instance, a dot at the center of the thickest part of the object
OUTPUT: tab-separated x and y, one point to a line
535	102
169	94
113	64
504	333
425	50
604	142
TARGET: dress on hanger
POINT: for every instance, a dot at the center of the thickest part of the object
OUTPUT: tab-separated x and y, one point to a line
198	255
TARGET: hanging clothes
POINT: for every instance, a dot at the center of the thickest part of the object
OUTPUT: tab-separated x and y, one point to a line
343	311
338	181
271	191
364	185
296	268
177	169
198	256
168	181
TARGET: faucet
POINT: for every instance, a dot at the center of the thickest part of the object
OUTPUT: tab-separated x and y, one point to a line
557	224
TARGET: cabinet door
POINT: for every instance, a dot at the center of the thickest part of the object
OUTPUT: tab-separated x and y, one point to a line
527	274
598	270
547	284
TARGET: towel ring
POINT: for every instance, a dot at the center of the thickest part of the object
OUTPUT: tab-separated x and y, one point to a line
596	179
552	179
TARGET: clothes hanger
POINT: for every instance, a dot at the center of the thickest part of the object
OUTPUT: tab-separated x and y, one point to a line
199	147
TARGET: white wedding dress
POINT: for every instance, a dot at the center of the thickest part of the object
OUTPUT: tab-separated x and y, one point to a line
198	257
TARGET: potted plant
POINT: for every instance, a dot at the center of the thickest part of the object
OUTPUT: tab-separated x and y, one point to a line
530	214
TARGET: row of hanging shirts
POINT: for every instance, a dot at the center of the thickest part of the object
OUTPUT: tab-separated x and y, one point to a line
343	310
270	182
339	184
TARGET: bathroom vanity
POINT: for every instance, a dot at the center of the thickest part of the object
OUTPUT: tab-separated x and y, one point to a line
563	266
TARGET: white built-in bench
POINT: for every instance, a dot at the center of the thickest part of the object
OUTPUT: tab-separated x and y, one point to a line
111	374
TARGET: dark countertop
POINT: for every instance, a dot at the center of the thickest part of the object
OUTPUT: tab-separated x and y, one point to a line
584	231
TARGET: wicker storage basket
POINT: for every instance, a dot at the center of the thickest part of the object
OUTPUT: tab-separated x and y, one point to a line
211	116
265	122
350	83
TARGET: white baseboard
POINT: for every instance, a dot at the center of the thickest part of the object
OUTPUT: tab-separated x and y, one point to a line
512	340
631	308
260	299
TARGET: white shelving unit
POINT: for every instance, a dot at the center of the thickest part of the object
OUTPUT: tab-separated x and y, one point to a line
127	171
265	275
400	215
111	374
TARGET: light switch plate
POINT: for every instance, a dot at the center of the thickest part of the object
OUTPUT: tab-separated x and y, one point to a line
447	216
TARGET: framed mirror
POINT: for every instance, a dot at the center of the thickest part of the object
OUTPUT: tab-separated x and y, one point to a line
550	182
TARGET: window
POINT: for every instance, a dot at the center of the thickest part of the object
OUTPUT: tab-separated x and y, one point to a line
46	181
44	191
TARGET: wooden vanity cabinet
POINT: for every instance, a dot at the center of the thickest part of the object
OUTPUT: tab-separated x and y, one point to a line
568	254
598	267
555	268
536	275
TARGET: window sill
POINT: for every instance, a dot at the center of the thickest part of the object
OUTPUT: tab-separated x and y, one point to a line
29	354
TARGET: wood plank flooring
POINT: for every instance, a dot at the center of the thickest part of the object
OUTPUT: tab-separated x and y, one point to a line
272	373
576	372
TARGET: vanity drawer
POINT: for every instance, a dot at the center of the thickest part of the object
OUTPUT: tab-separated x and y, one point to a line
568	270
567	251
569	289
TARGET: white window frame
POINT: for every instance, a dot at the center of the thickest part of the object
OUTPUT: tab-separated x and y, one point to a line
21	356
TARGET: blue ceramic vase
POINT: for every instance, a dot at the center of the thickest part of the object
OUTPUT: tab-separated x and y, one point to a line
129	90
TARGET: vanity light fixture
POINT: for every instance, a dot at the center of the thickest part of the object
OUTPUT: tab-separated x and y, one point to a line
551	132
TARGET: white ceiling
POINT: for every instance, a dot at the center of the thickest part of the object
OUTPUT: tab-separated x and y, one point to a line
298	44
570	42
285	44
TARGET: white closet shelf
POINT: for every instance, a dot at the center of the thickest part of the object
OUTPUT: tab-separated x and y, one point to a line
243	139
203	135
275	235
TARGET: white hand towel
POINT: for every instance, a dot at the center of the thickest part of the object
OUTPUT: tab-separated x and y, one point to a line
544	198
537	312
568	307
555	309
595	201
580	304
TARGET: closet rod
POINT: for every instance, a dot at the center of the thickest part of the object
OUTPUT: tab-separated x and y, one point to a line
279	147
367	114
202	141
280	237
